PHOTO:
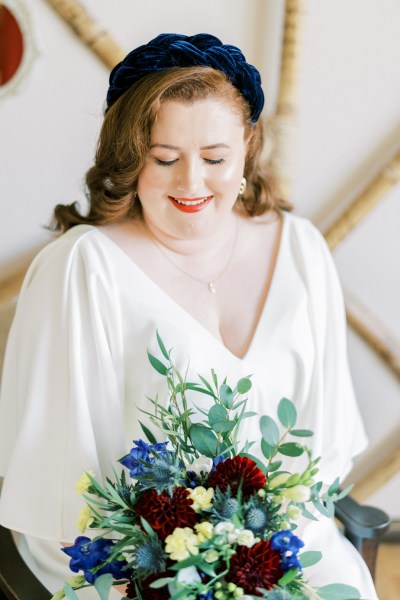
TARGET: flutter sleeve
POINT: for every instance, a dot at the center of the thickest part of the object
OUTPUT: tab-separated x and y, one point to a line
332	408
61	400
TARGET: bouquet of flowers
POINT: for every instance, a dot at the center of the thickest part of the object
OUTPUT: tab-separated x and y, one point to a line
198	518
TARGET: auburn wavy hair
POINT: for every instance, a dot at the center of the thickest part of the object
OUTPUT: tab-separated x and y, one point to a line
124	142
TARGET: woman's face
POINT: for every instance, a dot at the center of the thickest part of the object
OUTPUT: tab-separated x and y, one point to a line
192	174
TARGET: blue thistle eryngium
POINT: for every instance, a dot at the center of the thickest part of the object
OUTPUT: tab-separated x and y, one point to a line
166	473
224	506
149	555
256	519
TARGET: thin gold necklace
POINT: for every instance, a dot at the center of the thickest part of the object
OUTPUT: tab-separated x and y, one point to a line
209	283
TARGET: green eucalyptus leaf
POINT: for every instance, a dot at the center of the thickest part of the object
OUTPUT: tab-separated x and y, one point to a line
226	395
301	432
287	413
269	430
103	585
334	487
321	508
157	364
330	507
69	592
224	426
216	414
291	449
308	559
249	413
274	466
243	385
204	440
309	515
338	591
267	450
345	492
316	488
162	347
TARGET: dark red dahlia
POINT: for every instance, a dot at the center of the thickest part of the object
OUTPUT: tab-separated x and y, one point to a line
234	470
164	512
256	567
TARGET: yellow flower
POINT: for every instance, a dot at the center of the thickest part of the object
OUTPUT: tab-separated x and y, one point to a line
202	498
181	543
83	483
211	556
278	481
58	595
293	512
85	519
76	581
204	531
246	538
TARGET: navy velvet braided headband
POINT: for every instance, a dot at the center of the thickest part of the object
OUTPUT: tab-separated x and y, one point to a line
169	50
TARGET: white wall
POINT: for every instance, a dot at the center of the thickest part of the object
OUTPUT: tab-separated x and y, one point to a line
349	102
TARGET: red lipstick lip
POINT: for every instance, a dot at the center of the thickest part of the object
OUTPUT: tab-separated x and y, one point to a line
190	208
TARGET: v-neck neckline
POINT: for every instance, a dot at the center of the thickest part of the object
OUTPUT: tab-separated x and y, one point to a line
265	308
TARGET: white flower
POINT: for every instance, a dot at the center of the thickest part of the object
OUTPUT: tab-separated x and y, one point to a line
224	527
297	493
232	537
200	465
246	538
187	575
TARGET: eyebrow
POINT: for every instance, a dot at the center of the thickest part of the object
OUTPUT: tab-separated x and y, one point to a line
169	147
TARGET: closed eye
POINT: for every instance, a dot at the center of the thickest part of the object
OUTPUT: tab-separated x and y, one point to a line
215	161
165	163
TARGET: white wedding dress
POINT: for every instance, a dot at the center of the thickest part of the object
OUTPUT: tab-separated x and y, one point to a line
76	373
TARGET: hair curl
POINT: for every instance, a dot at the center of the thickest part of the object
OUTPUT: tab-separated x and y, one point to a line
124	142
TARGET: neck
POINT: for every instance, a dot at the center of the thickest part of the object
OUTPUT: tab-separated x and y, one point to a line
194	245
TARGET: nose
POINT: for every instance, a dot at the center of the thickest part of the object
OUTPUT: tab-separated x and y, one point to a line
189	178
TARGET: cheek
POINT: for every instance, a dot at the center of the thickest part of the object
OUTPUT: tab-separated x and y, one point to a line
230	175
151	178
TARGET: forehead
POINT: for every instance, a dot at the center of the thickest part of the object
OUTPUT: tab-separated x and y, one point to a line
206	119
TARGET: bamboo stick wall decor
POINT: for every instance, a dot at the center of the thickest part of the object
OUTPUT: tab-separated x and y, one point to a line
89	31
282	126
373	332
376	191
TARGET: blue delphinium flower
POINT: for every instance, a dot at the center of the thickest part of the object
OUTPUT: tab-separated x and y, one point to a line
216	460
290	562
288	545
142	452
207	596
286	541
87	555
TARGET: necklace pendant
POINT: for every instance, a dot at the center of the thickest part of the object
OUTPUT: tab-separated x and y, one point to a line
211	288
